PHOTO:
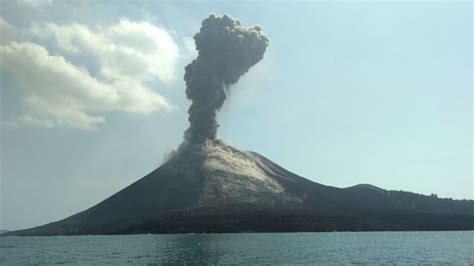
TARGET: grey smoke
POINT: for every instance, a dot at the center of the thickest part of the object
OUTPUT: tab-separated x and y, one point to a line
227	50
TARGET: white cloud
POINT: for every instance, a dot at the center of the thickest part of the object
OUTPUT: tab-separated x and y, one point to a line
139	50
190	47
57	92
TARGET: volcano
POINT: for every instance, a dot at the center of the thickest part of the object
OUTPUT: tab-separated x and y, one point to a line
213	187
209	186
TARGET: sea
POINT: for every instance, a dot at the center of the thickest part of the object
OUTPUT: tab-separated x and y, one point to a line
245	248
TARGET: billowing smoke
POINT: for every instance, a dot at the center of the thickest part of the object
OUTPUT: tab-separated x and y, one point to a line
226	52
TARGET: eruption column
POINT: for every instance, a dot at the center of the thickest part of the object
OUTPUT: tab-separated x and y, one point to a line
227	50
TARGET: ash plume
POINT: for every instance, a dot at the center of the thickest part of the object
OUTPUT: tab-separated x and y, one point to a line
226	51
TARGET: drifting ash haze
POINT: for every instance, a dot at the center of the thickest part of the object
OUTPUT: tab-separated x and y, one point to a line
208	186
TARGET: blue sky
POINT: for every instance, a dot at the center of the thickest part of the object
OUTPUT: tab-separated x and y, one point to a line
347	93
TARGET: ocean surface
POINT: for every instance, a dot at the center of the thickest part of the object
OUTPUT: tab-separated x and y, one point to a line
249	248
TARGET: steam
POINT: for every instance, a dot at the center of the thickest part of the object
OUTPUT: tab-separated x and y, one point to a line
227	50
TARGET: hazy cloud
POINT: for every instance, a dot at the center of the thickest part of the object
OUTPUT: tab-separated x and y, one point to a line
35	3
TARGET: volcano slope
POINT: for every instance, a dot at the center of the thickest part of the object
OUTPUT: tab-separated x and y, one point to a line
213	187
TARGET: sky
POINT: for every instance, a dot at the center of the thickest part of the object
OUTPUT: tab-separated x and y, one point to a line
92	96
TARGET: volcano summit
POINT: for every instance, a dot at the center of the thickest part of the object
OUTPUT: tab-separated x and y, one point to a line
208	186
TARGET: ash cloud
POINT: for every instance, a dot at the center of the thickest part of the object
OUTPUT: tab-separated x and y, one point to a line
226	51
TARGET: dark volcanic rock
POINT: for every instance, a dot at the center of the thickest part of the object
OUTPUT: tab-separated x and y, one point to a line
216	188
